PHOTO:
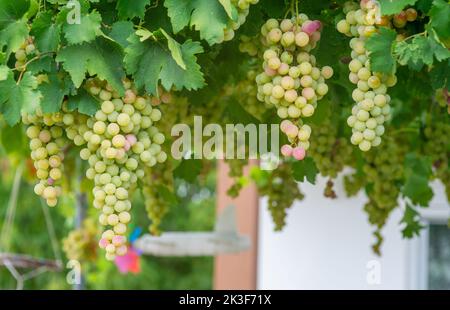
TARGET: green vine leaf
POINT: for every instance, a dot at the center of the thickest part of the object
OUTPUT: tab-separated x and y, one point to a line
380	46
417	174
19	97
411	219
84	103
131	9
206	16
87	30
53	93
102	57
150	62
121	31
389	7
188	170
305	169
11	11
175	49
13	36
440	18
46	33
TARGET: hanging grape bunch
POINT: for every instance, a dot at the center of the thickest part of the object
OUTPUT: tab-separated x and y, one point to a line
48	140
120	140
372	107
291	81
242	9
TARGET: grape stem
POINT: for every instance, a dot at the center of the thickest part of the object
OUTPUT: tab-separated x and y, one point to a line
30	61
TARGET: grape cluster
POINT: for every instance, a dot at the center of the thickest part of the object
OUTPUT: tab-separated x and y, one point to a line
280	188
243	8
249	45
291	81
383	171
80	244
156	203
372	107
47	144
26	49
437	147
120	140
330	152
443	98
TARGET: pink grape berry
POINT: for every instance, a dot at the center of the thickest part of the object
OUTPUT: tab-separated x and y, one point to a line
103	243
118	240
131	138
286	150
284	124
299	153
50	181
127	146
270	72
311	26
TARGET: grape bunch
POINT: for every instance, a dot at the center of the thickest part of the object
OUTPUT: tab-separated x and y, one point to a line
249	45
330	152
47	144
156	203
383	171
372	107
443	98
291	81
437	147
119	141
80	244
281	190
26	49
243	8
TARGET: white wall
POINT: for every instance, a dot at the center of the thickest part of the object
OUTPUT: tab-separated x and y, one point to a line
326	245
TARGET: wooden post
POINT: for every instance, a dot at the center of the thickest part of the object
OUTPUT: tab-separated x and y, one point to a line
238	271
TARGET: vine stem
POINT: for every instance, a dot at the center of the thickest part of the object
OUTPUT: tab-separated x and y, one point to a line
415	35
30	61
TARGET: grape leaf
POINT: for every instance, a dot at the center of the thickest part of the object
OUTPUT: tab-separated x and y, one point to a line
424	5
102	57
440	18
389	7
229	8
421	50
46	33
380	46
131	9
87	30
305	169
150	62
188	170
13	36
440	75
121	31
175	49
206	16
417	173
53	93
18	97
83	102
11	11
411	219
